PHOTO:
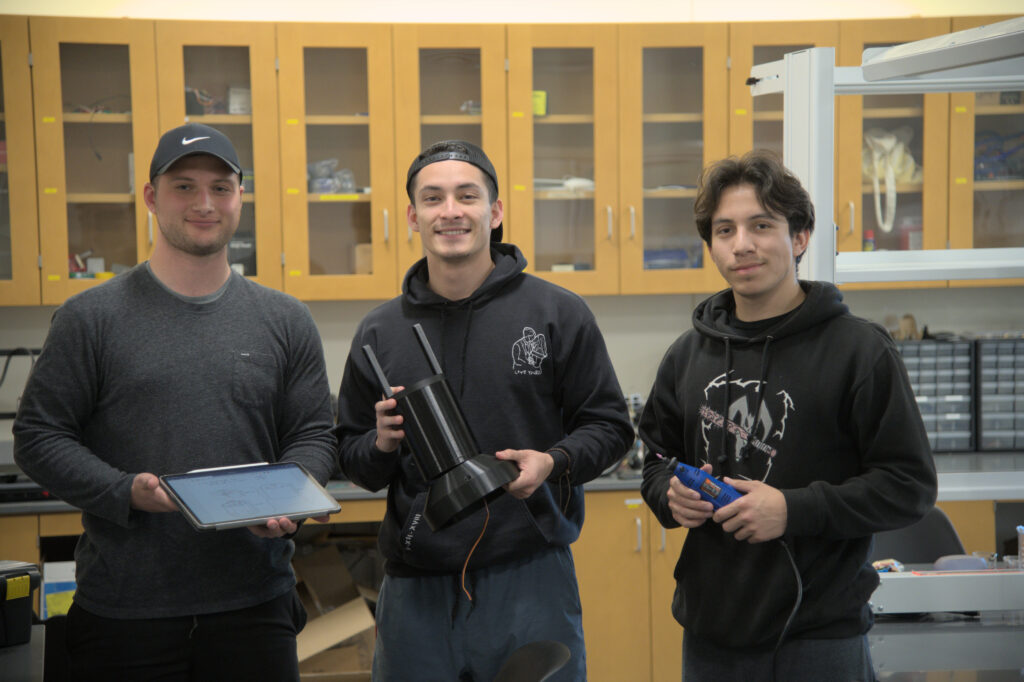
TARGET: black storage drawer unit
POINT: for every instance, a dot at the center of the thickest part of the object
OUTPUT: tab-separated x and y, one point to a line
1001	394
943	378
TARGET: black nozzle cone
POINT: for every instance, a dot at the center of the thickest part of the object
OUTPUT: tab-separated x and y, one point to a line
461	487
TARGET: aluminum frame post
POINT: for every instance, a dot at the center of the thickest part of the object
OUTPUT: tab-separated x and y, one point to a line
808	142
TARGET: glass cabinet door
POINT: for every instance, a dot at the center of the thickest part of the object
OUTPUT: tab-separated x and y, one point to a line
450	82
986	188
19	223
96	113
563	163
756	122
336	126
222	74
893	153
672	103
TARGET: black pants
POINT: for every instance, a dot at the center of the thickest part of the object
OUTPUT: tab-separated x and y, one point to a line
257	643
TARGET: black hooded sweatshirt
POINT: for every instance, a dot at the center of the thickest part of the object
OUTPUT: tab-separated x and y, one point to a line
816	403
528	365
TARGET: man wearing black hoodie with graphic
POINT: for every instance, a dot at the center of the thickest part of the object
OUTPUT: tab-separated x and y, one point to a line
529	368
808	412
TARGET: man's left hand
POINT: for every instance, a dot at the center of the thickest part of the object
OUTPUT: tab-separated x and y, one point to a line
534	469
759	515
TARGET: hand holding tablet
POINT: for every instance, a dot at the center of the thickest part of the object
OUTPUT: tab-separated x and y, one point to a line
248	495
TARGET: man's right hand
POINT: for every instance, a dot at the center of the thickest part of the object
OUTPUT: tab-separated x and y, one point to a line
147	495
687	506
389	423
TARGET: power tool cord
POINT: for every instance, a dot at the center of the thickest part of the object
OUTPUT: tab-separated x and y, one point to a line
796	604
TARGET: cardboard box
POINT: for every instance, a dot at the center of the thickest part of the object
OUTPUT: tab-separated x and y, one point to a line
325	578
58	588
337	643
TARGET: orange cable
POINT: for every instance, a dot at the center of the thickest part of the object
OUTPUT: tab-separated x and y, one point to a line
473	548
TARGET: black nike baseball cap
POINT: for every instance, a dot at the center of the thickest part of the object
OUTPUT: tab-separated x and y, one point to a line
455	150
193	138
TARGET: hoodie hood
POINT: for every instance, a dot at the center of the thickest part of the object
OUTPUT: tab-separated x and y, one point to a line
456	317
824	301
509	262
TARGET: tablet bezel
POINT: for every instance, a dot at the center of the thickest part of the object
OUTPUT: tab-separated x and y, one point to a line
167	481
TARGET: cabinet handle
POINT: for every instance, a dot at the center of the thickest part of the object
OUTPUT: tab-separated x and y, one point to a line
609	210
639	535
662	539
853	209
632	222
149	226
386	229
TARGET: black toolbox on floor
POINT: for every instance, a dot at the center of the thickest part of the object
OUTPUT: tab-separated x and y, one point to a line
17	582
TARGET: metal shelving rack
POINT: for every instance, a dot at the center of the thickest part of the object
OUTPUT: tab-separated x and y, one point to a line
987	58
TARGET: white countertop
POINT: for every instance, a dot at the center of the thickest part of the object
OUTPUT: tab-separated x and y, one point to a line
981	485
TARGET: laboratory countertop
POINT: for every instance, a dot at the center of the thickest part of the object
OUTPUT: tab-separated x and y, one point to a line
968	476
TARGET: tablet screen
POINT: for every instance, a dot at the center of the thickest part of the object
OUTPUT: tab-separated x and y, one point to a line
243	496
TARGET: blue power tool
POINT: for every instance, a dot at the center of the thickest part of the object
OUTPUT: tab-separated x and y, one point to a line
710	488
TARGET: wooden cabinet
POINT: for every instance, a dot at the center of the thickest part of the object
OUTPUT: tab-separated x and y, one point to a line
19	235
891	177
673	101
95	108
613	126
666	632
223	74
563	165
613	569
598	136
341	230
975	523
756	122
449	84
986	168
19	538
624	563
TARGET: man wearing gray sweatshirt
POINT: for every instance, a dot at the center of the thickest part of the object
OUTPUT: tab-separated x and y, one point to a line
178	364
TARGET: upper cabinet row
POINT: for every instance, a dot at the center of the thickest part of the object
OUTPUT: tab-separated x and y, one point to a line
598	135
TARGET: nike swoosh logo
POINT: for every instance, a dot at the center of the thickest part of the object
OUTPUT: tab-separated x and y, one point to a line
186	140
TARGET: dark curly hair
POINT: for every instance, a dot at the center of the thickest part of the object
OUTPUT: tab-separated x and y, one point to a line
778	190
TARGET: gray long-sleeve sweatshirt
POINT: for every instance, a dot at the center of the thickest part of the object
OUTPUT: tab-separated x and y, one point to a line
132	379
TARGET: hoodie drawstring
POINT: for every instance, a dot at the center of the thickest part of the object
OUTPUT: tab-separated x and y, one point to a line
761	386
465	345
725	407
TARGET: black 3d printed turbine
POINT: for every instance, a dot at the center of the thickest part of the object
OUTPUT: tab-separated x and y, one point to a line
443	447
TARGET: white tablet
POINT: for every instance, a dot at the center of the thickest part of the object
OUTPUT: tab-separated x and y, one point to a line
248	495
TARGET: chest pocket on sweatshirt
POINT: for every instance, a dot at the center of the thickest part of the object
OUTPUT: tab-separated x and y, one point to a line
253	378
